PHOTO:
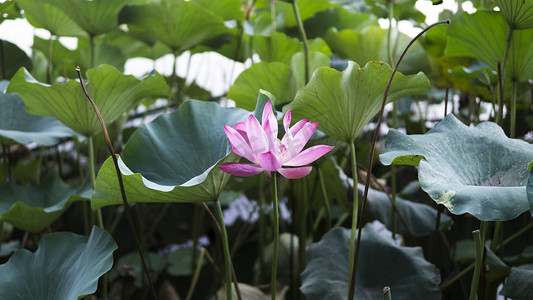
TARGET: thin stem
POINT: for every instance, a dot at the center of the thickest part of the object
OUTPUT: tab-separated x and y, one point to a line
479	240
262	230
225	246
325	197
373	146
49	66
303	37
513	109
499	118
275	209
386	293
355	214
92	173
2	59
91	45
196	273
121	184
1	234
273	15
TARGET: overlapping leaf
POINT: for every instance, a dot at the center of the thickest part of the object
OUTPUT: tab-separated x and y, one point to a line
381	263
33	208
517	13
113	92
344	102
17	126
179	24
173	158
66	266
487	181
483	35
14	58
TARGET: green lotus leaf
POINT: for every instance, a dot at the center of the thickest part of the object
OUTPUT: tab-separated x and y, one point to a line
14	58
371	44
113	92
338	18
9	11
17	126
517	13
344	102
381	263
482	36
227	9
279	47
42	14
487	181
33	208
173	158
179	24
306	9
95	16
519	284
66	266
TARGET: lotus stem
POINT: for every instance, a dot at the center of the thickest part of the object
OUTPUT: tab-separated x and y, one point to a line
92	173
499	117
386	293
2	59
91	45
1	234
121	184
355	214
513	109
351	291
325	197
196	273
303	36
478	241
275	208
225	246
273	15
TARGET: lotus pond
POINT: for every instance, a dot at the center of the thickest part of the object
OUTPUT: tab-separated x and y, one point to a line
346	160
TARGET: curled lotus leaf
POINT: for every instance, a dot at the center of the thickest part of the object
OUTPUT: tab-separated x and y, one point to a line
487	180
66	266
33	208
18	126
173	158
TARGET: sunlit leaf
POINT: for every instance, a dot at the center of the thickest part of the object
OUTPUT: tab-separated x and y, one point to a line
482	35
95	16
517	13
17	126
42	14
371	44
344	102
173	158
66	266
33	208
487	181
179	24
381	263
113	92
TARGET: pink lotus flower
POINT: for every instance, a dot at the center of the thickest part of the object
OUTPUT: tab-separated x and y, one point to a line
261	146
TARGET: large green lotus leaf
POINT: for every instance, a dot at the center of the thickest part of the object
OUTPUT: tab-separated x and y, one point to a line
227	9
482	36
381	263
344	102
173	158
279	47
113	92
306	9
338	18
14	58
487	181
17	126
94	16
66	266
45	15
517	13
179	24
33	208
10	11
519	284
371	44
